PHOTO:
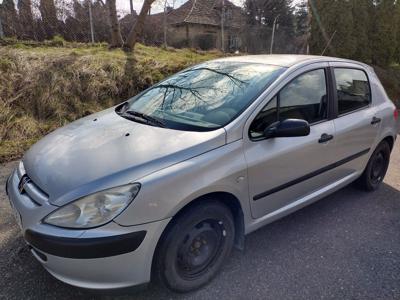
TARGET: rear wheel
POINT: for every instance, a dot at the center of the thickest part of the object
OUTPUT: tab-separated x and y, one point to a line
194	248
376	168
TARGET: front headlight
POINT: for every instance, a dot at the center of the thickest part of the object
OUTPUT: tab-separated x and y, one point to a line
94	210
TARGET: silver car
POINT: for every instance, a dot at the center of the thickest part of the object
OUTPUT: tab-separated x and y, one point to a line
164	185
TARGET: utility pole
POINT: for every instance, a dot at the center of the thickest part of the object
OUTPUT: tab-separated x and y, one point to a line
222	26
273	34
1	30
91	21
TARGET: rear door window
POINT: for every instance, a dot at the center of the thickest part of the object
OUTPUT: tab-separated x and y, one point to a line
353	90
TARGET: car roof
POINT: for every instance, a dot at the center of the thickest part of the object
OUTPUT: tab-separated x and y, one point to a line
284	60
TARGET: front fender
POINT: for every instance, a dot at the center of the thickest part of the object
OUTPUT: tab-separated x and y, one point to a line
167	191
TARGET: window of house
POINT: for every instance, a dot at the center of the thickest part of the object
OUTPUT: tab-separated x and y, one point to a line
353	89
233	42
303	98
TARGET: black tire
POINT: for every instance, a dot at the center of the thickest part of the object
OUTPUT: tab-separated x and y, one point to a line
194	247
376	169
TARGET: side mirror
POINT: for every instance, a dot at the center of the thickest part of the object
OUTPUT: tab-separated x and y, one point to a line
287	128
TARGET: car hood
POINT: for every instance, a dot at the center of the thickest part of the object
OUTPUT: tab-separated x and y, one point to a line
105	147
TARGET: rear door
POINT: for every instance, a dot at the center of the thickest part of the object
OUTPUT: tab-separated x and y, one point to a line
282	170
357	123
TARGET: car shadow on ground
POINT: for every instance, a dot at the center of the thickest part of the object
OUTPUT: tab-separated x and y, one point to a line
334	247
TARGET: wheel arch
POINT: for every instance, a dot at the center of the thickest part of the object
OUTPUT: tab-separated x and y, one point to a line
226	198
233	203
390	140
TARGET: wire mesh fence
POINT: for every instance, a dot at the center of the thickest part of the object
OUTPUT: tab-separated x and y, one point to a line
74	20
89	21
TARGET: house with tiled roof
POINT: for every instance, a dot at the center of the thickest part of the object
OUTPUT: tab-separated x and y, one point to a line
197	23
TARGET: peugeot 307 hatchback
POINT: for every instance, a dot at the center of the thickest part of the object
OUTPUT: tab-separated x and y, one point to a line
163	185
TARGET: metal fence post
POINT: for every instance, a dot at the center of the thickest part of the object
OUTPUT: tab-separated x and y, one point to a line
165	23
91	21
222	26
1	30
273	34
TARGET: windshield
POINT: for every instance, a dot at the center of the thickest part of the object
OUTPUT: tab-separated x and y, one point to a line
202	98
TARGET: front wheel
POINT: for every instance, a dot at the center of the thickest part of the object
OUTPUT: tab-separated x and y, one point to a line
194	247
376	168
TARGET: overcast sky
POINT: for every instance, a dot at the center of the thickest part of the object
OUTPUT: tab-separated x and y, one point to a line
123	5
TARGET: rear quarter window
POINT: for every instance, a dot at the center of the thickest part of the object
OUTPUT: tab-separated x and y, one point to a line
353	89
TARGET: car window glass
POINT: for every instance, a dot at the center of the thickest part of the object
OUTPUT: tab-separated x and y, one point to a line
303	98
266	117
206	96
353	89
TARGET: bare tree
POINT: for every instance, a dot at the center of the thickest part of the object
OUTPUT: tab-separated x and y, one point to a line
116	37
137	28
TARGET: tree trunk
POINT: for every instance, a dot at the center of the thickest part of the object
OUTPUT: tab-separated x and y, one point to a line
26	18
10	21
49	17
116	37
131	6
137	28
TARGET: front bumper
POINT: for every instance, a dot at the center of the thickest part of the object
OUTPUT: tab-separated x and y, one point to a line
107	257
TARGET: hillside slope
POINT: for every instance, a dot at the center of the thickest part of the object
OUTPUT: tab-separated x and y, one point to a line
42	88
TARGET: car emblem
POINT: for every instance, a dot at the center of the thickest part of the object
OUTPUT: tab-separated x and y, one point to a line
24	181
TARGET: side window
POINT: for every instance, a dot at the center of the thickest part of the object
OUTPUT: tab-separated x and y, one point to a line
303	98
353	89
266	117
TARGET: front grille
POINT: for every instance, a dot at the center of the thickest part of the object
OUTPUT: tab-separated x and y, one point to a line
28	187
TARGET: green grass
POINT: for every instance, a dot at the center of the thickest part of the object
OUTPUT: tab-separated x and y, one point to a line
46	85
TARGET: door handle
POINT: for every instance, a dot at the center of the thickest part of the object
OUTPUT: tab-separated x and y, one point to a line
325	138
375	120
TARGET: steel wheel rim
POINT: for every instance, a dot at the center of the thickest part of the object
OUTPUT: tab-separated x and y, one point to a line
378	168
200	247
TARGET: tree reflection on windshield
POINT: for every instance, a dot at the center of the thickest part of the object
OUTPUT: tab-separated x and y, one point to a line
207	96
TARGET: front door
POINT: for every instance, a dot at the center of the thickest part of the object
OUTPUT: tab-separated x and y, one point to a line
282	170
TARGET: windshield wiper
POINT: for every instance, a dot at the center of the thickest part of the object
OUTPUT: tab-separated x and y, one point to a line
137	116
